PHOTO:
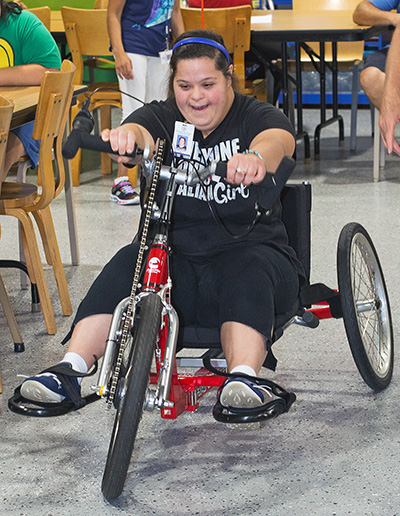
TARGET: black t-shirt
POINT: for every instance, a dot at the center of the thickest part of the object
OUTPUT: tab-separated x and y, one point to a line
194	230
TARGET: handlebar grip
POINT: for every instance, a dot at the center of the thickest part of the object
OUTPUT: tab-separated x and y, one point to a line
80	139
278	179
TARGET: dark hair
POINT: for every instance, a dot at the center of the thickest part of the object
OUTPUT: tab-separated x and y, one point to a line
8	8
197	50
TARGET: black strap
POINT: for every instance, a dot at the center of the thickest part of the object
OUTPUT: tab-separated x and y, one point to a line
249	415
65	374
318	292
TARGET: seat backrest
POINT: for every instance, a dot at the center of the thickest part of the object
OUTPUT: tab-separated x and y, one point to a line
348	51
233	23
44	15
87	35
54	102
296	215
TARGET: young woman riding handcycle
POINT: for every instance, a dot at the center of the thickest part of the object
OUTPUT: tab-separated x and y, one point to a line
211	253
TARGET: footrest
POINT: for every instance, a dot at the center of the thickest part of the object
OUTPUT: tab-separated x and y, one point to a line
24	407
254	415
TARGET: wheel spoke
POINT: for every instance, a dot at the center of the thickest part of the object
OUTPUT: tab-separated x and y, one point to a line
368	307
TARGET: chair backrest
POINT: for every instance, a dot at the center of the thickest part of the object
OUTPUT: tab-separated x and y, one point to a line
6	110
87	35
233	23
348	51
44	15
54	102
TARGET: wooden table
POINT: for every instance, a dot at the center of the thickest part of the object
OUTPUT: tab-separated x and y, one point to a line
56	23
319	26
25	100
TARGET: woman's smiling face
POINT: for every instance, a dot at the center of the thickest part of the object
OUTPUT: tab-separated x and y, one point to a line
203	94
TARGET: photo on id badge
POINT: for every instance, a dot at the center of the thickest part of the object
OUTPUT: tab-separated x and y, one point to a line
183	139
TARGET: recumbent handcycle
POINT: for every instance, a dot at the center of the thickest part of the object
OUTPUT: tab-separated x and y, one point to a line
142	370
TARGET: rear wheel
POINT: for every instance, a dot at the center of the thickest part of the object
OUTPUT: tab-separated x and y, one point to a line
132	392
365	306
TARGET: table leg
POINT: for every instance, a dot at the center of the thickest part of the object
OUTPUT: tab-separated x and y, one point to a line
301	134
336	117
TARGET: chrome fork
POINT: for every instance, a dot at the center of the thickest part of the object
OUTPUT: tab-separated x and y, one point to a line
158	397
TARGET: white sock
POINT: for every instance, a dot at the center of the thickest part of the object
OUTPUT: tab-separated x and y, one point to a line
245	369
119	179
77	362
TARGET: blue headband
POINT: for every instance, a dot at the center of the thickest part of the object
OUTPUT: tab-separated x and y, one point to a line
204	41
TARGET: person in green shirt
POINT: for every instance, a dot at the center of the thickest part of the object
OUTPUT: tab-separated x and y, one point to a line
27	51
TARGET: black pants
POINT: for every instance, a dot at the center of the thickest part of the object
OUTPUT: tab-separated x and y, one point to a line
247	284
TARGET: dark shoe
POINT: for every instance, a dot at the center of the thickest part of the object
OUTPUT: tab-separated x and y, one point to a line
46	388
240	392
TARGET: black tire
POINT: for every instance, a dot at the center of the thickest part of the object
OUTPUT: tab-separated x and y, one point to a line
130	407
365	306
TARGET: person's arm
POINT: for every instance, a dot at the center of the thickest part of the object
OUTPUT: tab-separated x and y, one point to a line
177	25
390	107
367	14
23	75
124	138
123	65
271	145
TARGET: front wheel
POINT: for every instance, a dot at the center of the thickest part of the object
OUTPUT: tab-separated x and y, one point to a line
365	306
132	393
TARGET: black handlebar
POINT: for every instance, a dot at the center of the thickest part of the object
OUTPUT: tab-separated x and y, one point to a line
81	139
272	183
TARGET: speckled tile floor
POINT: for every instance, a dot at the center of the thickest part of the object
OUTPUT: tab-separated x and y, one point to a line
336	451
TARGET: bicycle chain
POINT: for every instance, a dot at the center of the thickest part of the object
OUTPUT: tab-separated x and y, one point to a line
142	247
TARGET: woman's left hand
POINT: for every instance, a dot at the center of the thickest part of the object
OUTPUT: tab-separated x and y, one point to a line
245	169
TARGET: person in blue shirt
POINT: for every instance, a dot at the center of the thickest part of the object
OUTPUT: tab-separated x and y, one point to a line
376	12
139	34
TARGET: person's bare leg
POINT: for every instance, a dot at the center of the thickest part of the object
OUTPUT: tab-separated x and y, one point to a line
14	151
243	345
372	81
89	337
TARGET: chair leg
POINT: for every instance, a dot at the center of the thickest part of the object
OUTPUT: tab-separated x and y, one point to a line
44	221
378	160
133	175
354	105
21	178
372	111
76	161
10	317
35	267
105	123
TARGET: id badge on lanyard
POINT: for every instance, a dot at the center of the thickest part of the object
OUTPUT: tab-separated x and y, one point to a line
183	139
165	55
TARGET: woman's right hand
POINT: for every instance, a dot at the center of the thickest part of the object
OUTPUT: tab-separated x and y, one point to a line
122	141
123	66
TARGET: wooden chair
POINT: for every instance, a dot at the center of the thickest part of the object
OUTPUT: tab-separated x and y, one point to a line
87	35
6	109
44	15
99	63
349	54
233	23
21	200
